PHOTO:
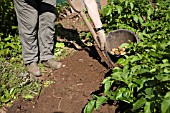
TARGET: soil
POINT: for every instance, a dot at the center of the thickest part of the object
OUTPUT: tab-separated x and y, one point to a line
74	83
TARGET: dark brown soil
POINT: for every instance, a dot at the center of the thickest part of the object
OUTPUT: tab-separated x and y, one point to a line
80	76
74	83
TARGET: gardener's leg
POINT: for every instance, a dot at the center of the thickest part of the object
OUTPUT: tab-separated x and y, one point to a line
27	16
47	16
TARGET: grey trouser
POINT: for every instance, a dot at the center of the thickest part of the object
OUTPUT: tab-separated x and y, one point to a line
36	28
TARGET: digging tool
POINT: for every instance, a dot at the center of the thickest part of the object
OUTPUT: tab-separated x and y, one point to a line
78	7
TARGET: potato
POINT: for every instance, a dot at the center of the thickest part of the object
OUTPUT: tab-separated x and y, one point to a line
121	49
122	53
118	51
113	50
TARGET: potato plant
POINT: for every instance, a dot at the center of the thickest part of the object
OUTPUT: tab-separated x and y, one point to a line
142	83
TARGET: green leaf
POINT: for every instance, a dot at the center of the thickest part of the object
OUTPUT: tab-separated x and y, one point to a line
135	18
168	15
123	94
124	45
28	96
126	3
89	107
147	107
14	27
165	61
8	38
154	46
149	92
134	59
125	71
122	61
139	103
166	78
119	94
100	100
131	5
149	12
60	45
159	76
167	95
153	70
116	69
167	70
5	99
135	68
165	105
138	81
107	86
9	45
106	79
119	9
108	11
140	19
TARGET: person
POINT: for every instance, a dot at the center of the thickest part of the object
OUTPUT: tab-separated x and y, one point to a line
36	30
92	8
93	12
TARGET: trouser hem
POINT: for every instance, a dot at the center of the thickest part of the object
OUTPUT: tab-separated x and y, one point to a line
46	58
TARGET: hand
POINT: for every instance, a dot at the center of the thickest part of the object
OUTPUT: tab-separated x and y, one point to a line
102	38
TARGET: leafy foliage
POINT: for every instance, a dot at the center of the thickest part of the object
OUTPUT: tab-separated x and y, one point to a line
7	19
60	51
143	79
14	82
10	47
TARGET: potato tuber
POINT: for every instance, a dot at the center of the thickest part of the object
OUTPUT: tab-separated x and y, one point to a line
118	51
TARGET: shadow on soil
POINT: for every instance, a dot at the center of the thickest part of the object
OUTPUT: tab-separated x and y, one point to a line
69	35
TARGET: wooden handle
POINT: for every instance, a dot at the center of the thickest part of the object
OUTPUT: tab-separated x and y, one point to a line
77	5
89	26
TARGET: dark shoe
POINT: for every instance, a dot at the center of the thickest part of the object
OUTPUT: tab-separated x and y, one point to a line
52	63
34	69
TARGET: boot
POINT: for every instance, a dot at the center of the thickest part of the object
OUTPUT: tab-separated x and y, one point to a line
34	69
52	63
